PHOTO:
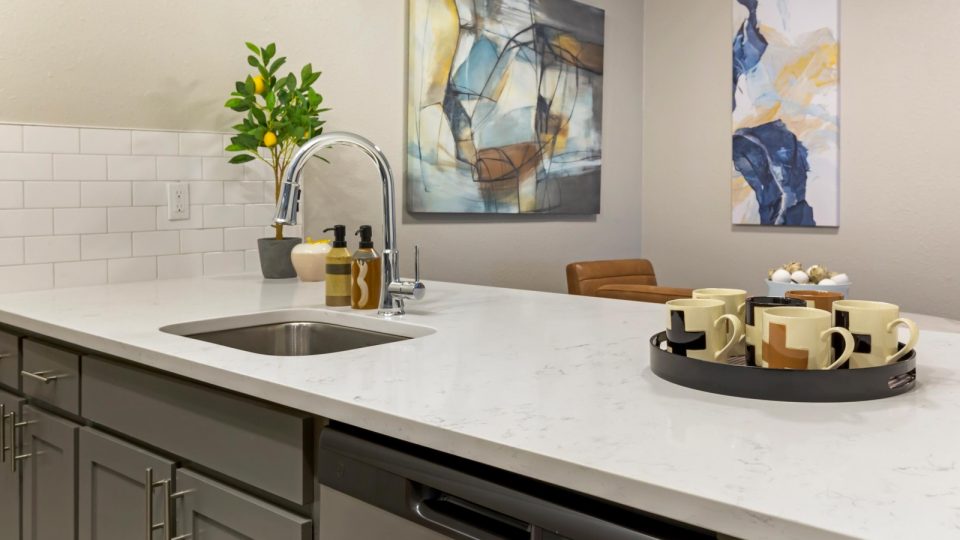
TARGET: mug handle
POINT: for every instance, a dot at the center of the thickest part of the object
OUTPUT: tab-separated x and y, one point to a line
911	343
742	311
734	339
848	344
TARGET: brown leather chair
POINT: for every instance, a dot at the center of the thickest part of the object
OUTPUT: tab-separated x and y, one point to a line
629	279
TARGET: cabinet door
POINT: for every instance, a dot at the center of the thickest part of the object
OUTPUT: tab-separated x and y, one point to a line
9	480
113	489
213	511
49	476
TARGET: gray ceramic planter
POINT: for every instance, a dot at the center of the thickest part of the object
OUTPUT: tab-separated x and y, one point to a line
275	260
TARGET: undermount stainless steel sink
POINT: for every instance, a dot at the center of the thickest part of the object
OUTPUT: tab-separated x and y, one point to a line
296	338
298	332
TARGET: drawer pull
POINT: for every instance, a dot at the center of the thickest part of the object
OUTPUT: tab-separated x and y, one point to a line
5	355
3	433
13	441
42	376
149	486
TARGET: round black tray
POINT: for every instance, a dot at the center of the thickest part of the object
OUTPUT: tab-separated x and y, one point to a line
784	384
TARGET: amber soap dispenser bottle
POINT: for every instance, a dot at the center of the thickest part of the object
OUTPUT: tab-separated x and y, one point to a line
367	269
338	268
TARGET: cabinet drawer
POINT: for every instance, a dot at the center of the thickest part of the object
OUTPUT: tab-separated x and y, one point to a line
212	510
52	375
9	360
265	446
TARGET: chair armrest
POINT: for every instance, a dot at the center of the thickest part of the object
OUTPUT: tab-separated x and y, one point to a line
644	293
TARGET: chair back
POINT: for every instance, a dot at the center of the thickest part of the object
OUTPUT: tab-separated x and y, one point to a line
584	278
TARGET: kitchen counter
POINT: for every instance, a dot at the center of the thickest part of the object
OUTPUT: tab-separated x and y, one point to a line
559	388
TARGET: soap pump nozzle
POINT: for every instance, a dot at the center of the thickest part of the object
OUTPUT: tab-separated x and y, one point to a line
339	235
366	236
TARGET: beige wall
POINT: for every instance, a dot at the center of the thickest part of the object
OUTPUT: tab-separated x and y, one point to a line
169	64
900	127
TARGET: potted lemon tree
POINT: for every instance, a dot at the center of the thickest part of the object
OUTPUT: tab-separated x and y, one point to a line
280	113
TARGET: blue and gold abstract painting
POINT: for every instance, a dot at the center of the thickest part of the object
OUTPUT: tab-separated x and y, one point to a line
785	106
505	106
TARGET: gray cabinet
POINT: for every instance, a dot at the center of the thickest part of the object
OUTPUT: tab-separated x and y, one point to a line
9	478
113	491
49	476
9	360
212	511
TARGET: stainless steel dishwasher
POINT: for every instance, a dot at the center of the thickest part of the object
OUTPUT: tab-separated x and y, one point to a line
373	487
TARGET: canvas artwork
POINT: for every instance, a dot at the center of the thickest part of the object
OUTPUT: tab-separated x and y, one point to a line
504	107
785	106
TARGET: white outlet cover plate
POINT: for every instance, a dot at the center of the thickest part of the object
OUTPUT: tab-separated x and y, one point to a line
178	202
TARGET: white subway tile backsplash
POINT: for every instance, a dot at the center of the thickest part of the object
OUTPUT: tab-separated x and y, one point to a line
105	246
104	141
80	220
11	194
180	266
195	221
156	243
222	216
241	238
137	168
84	206
219	168
201	240
218	264
11	251
26	222
135	269
51	194
155	143
47	249
11	138
243	192
258	214
179	168
79	167
251	260
149	193
131	219
96	194
80	274
201	144
31	277
26	167
206	192
58	140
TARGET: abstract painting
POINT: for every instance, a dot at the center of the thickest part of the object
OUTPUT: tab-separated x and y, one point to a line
785	106
505	107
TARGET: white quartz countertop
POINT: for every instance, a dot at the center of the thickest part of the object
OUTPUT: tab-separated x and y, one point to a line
559	388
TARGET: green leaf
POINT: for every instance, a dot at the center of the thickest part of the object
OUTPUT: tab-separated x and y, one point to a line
271	100
252	60
240	87
248	84
241	158
263	72
276	65
306	72
258	114
252	47
247	141
291	82
269	52
235	102
236	148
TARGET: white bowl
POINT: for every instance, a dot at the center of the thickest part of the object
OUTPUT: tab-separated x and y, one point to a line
781	289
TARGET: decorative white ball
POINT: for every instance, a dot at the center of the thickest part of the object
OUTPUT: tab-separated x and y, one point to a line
781	276
841	279
800	277
827	281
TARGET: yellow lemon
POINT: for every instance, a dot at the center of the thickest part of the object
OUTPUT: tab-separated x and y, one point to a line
259	85
270	139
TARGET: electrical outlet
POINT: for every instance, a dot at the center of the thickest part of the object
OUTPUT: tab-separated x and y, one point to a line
178	202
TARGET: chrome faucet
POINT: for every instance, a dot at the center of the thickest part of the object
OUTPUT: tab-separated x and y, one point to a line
393	290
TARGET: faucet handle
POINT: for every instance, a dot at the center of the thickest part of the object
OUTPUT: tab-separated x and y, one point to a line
416	263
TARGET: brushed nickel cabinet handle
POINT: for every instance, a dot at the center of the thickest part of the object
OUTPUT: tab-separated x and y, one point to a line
5	355
149	486
13	441
42	376
171	497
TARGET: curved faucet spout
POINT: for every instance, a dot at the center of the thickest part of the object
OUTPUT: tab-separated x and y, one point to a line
392	290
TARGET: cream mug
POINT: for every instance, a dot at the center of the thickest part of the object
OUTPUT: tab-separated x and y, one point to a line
734	302
696	328
873	325
799	338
